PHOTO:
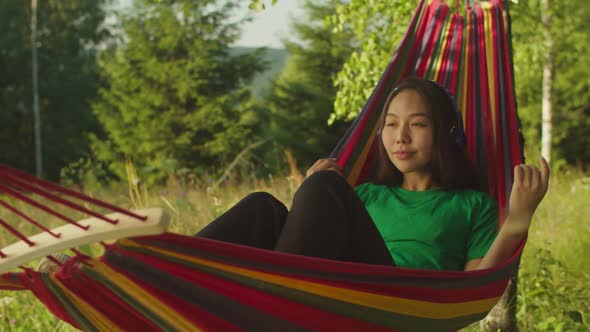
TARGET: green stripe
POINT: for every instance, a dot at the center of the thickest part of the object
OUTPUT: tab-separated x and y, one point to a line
359	312
462	56
438	282
71	309
141	309
437	52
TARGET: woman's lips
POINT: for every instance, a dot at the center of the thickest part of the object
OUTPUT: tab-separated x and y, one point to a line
402	155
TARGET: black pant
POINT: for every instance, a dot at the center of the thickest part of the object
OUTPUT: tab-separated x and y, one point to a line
327	220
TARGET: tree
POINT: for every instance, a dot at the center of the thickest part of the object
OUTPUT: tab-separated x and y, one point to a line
569	33
380	25
68	35
546	128
302	97
175	98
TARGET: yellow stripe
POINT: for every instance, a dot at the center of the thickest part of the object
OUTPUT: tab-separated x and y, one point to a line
97	319
386	303
6	283
362	158
439	57
490	62
465	65
147	300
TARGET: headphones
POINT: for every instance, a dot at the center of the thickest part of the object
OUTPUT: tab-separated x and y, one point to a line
457	131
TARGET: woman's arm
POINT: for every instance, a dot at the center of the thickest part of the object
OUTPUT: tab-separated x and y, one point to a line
529	188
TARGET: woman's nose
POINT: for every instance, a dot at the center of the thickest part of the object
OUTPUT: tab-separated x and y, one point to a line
403	135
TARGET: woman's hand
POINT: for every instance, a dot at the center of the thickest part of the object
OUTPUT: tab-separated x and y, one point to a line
529	187
324	164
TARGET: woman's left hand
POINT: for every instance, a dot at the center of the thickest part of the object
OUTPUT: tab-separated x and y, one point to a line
529	187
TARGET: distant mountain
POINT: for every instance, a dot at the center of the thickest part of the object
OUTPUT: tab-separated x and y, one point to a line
275	59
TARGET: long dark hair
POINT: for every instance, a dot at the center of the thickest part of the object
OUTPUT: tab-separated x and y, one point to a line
450	166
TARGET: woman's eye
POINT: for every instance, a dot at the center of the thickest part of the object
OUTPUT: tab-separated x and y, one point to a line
392	124
419	124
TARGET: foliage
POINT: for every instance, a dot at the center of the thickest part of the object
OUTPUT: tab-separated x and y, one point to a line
570	31
175	97
302	97
258	5
380	25
69	33
274	61
547	286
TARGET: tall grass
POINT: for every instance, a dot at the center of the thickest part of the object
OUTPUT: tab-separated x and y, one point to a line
553	293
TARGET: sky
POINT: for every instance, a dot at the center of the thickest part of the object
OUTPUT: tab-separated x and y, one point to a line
267	27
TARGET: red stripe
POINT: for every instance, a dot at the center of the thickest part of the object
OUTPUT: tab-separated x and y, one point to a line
488	127
500	144
514	144
198	317
487	290
247	254
443	74
421	39
32	280
470	127
295	313
369	162
103	300
426	54
12	281
436	295
455	72
415	48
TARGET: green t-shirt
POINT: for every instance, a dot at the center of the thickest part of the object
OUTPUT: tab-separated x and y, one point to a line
437	229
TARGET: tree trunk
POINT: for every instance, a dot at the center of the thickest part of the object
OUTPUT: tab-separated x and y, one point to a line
36	112
547	82
503	315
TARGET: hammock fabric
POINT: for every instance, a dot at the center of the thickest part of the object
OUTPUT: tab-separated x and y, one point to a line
174	282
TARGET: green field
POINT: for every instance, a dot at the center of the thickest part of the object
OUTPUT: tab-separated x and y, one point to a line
553	288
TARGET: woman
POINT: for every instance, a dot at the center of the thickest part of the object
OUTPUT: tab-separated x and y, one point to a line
422	210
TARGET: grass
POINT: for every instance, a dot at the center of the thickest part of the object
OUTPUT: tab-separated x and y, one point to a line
552	294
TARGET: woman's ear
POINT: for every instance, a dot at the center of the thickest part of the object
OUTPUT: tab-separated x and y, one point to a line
459	137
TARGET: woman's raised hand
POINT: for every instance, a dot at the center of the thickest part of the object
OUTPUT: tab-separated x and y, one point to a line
529	187
324	164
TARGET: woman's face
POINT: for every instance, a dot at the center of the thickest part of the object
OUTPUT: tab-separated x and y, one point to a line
408	133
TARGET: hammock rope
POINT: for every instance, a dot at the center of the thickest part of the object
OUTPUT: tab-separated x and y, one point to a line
175	282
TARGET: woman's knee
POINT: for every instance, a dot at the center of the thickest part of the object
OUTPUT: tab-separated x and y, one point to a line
322	180
261	196
264	198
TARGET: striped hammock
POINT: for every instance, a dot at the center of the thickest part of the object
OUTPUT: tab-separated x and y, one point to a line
173	282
